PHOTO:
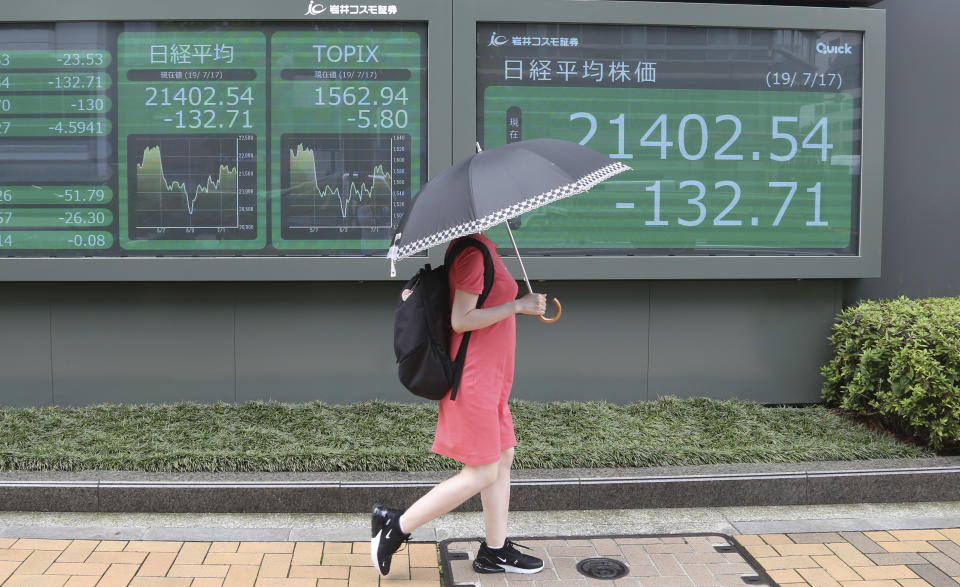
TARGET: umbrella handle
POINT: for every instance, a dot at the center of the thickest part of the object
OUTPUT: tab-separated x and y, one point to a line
556	316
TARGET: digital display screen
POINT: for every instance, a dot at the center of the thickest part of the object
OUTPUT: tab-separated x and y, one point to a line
184	139
742	141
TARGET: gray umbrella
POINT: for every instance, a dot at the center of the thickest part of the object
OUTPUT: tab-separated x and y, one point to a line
494	186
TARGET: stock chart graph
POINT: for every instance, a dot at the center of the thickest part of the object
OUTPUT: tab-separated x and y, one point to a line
192	186
343	186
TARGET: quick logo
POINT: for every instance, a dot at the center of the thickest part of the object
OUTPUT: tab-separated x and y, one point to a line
825	49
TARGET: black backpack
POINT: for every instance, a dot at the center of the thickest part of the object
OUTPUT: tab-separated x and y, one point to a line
421	327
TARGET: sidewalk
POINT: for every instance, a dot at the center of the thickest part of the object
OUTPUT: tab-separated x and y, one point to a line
862	544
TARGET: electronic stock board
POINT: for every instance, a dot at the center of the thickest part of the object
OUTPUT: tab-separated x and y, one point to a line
752	132
140	135
184	111
135	146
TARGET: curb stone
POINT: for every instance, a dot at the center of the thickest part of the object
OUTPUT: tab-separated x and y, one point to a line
833	482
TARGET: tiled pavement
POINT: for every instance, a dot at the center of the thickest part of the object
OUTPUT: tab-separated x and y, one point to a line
864	559
856	544
895	558
116	563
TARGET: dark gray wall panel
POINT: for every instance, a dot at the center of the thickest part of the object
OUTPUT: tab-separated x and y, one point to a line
147	343
317	341
921	200
754	340
624	341
334	342
596	351
25	348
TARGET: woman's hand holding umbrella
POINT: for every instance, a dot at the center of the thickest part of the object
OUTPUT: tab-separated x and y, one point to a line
533	304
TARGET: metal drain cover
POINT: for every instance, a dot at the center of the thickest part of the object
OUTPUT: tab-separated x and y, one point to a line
602	568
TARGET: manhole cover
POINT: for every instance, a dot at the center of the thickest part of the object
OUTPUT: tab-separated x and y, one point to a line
602	568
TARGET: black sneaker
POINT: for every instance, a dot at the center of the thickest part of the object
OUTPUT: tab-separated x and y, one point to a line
506	560
386	537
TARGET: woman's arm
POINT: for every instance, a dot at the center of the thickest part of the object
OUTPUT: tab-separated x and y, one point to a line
466	316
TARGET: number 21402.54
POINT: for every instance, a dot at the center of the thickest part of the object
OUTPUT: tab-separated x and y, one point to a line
786	148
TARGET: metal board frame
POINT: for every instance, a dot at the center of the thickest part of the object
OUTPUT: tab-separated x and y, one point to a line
436	14
872	22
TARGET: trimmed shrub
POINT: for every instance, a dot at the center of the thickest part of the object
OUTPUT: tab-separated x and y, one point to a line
899	361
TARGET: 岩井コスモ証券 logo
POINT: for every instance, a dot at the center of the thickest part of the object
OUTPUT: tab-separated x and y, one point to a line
496	40
499	40
314	8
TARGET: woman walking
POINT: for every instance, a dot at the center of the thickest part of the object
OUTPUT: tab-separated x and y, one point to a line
477	428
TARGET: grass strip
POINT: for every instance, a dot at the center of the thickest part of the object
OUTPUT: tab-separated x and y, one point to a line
381	436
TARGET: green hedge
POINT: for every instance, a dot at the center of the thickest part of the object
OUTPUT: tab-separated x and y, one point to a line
899	360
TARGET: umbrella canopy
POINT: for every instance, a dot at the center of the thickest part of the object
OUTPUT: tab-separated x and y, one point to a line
495	185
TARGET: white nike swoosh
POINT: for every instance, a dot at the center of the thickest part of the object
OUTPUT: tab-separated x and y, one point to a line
503	560
374	547
388	533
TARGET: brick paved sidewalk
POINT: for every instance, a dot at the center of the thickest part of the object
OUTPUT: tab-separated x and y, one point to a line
894	558
116	563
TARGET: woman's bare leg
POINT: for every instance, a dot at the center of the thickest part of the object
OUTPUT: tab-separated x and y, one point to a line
496	502
449	494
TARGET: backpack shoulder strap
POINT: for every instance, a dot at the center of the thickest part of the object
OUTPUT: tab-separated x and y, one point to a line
488	270
488	275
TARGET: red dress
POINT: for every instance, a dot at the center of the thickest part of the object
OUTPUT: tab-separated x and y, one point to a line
477	426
